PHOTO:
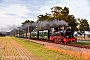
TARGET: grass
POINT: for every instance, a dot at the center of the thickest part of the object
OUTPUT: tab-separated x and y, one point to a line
82	43
44	53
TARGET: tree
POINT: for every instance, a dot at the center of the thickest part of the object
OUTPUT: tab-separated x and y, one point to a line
56	11
83	26
47	17
65	11
44	17
71	21
63	14
1	34
27	21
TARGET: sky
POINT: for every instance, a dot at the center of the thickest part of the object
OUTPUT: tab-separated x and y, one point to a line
14	12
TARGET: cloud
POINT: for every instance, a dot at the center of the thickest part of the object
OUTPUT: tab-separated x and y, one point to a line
13	10
11	14
23	17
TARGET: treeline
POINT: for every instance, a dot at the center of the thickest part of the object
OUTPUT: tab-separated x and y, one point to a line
1	34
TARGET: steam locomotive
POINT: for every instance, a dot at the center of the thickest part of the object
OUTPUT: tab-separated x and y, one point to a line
58	35
58	31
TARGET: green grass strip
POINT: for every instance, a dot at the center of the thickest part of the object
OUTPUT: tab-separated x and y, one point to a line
82	43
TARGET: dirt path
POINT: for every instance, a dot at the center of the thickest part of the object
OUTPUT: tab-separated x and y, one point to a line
11	50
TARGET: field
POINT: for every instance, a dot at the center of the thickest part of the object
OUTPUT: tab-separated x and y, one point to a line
12	48
57	53
43	52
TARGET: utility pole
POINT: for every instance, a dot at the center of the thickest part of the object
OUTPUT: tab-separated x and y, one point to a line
28	31
18	31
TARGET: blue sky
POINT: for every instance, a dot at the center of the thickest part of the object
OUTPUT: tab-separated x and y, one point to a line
14	12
